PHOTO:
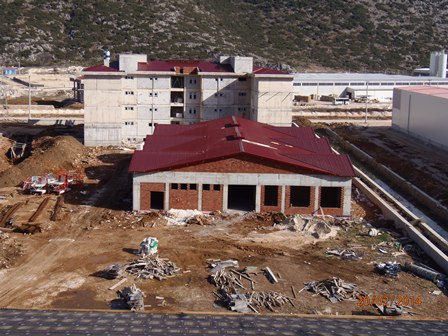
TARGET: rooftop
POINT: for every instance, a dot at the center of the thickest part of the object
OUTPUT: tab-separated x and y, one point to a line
428	90
371	77
175	146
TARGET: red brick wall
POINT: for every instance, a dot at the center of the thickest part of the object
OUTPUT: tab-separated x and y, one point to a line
244	164
145	193
289	210
265	208
184	199
334	211
211	199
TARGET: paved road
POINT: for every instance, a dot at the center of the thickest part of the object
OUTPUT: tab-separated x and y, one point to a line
39	323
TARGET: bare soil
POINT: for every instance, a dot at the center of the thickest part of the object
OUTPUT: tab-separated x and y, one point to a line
57	267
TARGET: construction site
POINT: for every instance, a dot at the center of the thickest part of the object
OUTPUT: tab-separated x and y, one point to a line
70	240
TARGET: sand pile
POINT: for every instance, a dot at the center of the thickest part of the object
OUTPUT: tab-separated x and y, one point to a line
48	154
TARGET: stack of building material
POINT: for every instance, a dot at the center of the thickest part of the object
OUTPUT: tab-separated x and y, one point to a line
151	267
335	289
218	265
133	297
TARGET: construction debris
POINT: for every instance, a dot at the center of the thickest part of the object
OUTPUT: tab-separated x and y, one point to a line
345	254
229	281
426	273
218	265
390	268
270	275
335	289
254	301
390	310
133	297
148	246
152	267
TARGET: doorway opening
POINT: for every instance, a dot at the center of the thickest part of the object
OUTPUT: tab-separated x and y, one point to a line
241	197
157	200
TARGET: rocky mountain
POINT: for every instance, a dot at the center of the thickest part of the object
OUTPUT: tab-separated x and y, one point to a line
350	35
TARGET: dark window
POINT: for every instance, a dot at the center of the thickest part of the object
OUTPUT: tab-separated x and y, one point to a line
242	79
300	196
271	195
216	187
330	197
206	187
193	187
183	186
174	186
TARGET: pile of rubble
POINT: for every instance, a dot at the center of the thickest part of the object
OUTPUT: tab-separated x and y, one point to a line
231	282
390	268
335	289
133	297
345	254
151	267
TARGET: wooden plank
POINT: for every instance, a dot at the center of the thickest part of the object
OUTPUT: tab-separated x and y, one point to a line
39	210
122	281
57	206
10	212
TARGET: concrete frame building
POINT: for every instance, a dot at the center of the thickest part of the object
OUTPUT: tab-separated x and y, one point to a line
234	163
124	100
422	112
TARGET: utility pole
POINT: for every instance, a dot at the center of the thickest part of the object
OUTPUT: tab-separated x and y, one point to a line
367	102
29	97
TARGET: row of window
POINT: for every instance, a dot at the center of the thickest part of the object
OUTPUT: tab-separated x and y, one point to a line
131	123
185	186
300	196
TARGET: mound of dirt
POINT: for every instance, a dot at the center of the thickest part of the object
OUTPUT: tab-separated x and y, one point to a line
48	154
5	144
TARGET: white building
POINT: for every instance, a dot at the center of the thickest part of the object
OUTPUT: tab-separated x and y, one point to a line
125	99
422	112
352	85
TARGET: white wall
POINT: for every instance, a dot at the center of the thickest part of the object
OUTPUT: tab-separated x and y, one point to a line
422	115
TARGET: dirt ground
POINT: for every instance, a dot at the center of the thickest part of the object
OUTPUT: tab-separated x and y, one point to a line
56	268
414	161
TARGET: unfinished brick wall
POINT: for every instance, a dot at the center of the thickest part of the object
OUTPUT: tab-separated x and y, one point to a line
212	199
290	210
335	211
266	208
145	193
184	199
244	164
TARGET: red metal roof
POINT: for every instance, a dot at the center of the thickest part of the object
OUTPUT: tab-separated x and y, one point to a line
101	68
429	90
175	146
170	66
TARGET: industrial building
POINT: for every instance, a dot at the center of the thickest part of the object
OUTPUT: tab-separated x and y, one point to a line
370	85
422	112
124	100
233	163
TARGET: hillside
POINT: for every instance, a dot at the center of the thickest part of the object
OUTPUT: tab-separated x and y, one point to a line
351	34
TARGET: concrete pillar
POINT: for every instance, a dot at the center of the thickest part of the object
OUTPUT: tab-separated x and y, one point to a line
135	195
200	197
225	196
283	199
167	197
257	198
316	198
347	201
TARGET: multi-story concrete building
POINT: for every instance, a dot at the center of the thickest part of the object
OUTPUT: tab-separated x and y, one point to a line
235	163
124	100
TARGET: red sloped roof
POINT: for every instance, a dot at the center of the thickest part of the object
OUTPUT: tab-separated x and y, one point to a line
174	146
101	68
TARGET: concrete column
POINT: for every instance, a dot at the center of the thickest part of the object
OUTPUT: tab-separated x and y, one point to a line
200	197
257	198
136	196
283	199
316	198
225	195
347	201
167	197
